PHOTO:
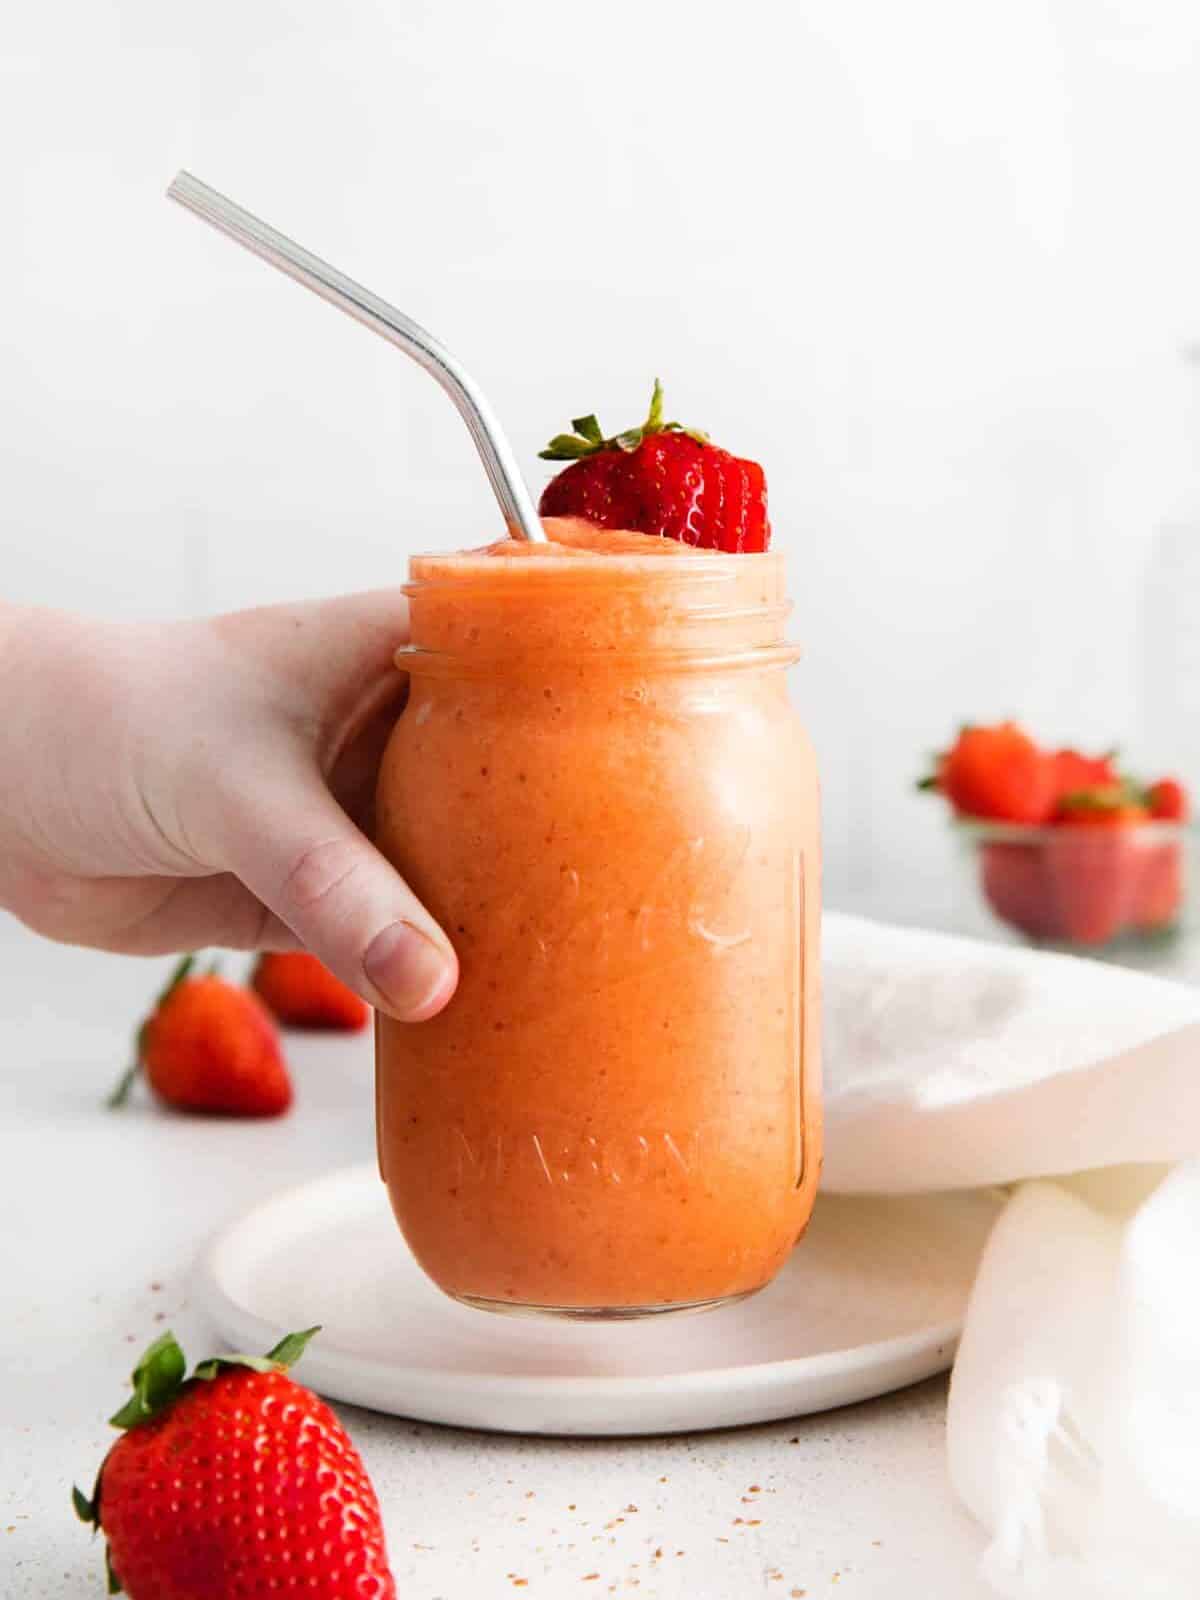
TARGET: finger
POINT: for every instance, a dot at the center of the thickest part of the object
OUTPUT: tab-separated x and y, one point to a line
298	852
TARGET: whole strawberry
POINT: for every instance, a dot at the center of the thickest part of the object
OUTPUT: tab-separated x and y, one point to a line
997	773
210	1046
1074	772
235	1483
1168	800
661	478
301	992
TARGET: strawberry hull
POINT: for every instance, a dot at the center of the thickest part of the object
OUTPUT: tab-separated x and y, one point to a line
1083	886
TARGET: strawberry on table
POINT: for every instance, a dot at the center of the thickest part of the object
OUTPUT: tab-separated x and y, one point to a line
660	478
301	992
234	1483
997	773
210	1046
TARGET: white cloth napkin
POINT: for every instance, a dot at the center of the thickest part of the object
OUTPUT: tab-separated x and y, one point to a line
1073	1431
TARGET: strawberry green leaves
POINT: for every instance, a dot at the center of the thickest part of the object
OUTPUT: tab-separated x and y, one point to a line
157	1379
285	1354
588	439
86	1510
588	428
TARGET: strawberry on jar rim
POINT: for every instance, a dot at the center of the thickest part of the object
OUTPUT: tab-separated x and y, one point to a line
660	478
232	1483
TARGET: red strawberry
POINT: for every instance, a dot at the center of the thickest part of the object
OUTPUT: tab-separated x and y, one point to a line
303	993
1074	772
662	479
1015	885
1093	873
997	773
233	1483
210	1046
1168	800
1160	885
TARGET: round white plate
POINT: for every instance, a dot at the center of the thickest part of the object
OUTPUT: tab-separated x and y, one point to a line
871	1300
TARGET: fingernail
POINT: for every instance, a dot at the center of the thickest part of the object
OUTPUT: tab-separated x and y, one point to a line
412	973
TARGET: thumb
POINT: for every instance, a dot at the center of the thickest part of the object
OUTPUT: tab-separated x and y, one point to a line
294	847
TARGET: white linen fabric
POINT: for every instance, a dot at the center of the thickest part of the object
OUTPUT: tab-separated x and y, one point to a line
1073	1431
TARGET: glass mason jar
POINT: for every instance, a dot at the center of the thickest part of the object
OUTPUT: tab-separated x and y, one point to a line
599	788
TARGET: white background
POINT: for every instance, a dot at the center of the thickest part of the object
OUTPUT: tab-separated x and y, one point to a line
932	263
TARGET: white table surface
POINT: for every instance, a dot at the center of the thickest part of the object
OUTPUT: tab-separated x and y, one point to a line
103	1216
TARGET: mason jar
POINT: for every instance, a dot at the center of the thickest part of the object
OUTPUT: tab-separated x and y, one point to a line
600	789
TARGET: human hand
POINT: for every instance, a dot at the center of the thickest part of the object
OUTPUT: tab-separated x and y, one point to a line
166	786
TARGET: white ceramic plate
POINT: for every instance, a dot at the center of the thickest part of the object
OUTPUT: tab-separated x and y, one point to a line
871	1300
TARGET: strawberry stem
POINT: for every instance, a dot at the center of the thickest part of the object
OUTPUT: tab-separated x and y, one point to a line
124	1086
128	1078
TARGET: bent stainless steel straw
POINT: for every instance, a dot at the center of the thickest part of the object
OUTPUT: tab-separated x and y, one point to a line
383	319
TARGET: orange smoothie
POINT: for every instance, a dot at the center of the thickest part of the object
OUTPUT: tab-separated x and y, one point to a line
600	789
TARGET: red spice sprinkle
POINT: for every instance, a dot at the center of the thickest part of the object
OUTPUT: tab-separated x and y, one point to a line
631	1508
658	1554
754	1489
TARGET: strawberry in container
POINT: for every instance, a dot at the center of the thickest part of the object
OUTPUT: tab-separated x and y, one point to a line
1070	851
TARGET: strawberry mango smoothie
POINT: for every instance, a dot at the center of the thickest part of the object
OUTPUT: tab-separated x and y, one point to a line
599	788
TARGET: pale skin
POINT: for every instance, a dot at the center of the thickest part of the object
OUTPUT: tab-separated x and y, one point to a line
175	786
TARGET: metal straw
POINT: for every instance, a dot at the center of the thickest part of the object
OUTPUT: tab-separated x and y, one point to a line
385	320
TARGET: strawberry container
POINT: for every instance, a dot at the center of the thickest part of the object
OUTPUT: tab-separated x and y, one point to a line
1083	887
